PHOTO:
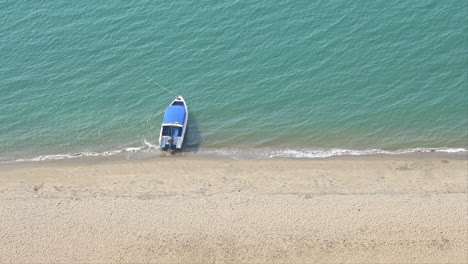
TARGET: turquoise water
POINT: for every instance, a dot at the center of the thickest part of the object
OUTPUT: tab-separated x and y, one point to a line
293	77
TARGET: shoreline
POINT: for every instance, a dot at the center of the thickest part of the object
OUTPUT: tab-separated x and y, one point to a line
193	209
138	154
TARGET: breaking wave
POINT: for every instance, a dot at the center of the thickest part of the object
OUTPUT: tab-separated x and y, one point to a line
242	154
320	153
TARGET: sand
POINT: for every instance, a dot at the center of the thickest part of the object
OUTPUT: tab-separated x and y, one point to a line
375	209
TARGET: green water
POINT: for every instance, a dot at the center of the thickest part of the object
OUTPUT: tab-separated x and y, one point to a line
258	76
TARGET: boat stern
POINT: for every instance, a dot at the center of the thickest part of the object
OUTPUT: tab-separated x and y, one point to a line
168	142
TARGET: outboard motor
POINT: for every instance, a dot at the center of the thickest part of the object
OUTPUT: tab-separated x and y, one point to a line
170	141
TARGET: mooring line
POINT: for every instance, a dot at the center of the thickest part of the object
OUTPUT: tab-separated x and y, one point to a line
153	81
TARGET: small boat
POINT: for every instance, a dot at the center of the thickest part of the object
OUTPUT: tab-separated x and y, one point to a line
174	125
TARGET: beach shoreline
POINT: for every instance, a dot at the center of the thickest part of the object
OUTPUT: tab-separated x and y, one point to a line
407	208
145	154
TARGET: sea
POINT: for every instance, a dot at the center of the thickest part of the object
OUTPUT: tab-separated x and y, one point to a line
262	79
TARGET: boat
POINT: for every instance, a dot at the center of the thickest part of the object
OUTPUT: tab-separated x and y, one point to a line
174	125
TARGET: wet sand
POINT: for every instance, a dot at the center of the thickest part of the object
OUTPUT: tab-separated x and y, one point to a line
374	209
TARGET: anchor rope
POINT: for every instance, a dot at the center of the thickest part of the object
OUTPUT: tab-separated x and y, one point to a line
153	81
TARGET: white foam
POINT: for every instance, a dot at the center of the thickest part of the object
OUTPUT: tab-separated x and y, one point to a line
262	153
146	147
446	150
149	145
134	149
318	153
324	153
71	156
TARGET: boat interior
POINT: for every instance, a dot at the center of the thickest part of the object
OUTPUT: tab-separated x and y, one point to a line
172	131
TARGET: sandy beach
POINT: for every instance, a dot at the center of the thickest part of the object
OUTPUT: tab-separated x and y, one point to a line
373	209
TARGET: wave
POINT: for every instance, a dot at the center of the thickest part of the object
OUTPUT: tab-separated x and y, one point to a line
320	153
242	154
147	147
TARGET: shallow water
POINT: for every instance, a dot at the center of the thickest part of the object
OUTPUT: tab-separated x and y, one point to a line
299	78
